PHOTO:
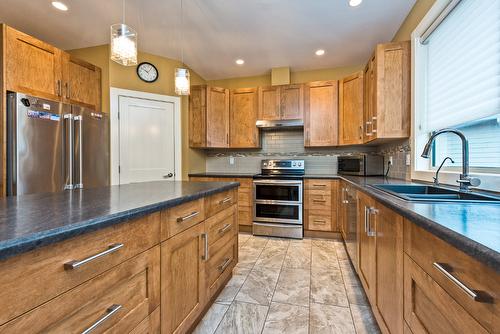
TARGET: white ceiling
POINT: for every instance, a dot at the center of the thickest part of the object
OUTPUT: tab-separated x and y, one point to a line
265	33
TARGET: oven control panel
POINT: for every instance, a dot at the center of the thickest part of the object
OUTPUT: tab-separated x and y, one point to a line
283	164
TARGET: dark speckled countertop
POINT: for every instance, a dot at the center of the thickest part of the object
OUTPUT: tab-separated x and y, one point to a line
228	175
31	221
472	228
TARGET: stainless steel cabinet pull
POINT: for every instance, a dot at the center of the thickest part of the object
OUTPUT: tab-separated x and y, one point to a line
78	263
109	313
366	220
224	264
205	247
191	215
322	222
58	88
225	200
225	228
319	185
344	191
374	119
368	131
319	200
66	85
469	292
79	119
371	211
70	143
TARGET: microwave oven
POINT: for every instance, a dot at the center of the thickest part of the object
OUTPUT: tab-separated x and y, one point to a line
361	164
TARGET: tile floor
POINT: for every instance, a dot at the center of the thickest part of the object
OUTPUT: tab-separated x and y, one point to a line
290	286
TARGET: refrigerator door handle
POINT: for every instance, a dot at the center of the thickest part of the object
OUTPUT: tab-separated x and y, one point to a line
69	140
79	119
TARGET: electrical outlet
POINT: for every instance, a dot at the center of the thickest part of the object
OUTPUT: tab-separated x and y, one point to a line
231	160
408	159
391	161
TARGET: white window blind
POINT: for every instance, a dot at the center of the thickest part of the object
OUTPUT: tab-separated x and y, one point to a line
462	71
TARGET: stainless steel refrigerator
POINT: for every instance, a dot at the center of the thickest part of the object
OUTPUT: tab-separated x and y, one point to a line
52	146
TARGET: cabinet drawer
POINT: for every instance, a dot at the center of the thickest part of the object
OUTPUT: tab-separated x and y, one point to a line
220	262
324	185
218	202
222	225
317	222
122	297
245	215
319	202
31	279
428	308
245	196
182	217
430	253
150	325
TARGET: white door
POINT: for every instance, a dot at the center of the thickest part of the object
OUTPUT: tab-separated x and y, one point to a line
147	140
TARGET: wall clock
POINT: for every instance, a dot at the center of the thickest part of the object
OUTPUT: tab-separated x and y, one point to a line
147	72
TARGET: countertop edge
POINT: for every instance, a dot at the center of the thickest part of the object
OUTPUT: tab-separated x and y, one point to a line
36	240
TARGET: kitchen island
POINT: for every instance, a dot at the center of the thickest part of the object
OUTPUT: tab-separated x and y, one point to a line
91	258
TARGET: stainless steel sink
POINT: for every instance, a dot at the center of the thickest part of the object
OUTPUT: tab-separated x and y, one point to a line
429	193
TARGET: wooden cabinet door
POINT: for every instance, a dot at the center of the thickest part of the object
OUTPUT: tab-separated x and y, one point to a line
32	66
392	73
292	101
389	268
366	239
269	108
81	82
370	88
217	117
183	295
351	110
197	117
243	132
321	114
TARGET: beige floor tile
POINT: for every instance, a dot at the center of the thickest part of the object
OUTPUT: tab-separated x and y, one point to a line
272	255
247	256
364	321
259	286
284	318
324	255
356	295
327	287
298	256
211	320
233	286
243	238
243	318
293	287
328	319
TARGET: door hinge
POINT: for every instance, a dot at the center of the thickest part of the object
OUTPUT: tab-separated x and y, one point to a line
118	115
119	169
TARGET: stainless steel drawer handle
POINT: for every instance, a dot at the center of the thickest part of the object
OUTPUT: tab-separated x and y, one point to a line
224	264
319	200
225	200
109	313
78	263
319	185
205	255
225	228
191	215
442	267
322	222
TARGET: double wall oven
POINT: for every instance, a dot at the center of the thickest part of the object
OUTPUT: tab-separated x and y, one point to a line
278	193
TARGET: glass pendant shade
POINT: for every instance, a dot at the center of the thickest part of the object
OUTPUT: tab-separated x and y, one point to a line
182	84
123	44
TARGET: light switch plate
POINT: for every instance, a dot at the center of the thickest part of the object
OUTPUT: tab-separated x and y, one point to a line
231	160
408	159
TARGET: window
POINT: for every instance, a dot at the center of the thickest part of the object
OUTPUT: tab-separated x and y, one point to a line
457	83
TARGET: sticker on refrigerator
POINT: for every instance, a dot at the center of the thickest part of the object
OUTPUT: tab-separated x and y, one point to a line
43	115
45	106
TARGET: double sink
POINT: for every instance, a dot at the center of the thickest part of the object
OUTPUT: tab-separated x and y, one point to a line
430	193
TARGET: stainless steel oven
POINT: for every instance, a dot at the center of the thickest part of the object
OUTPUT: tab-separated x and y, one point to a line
278	192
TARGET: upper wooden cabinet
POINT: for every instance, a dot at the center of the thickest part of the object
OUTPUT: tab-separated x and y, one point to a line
82	82
37	68
321	114
32	66
243	133
208	117
282	102
351	110
387	108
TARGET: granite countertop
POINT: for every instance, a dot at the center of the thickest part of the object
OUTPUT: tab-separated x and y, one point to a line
474	228
222	174
31	221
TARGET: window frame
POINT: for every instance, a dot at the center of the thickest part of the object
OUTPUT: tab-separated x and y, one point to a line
421	169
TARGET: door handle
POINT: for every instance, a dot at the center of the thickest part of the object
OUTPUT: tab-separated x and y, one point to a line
70	142
167	176
205	255
109	313
79	119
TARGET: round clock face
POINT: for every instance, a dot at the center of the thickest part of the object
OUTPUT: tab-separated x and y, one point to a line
147	72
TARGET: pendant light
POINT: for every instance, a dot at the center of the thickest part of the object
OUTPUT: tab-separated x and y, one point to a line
123	43
182	82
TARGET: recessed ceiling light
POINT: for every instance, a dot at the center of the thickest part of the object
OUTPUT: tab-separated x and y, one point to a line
59	5
240	61
320	52
354	3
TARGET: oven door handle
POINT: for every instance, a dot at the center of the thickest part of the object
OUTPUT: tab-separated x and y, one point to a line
272	202
278	183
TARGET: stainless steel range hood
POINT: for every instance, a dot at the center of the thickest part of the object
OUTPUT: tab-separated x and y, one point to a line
279	124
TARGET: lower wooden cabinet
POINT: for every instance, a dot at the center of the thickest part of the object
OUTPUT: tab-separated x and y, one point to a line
366	250
320	205
183	295
118	300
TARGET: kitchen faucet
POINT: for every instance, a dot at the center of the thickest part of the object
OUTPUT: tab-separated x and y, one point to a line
436	178
465	180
